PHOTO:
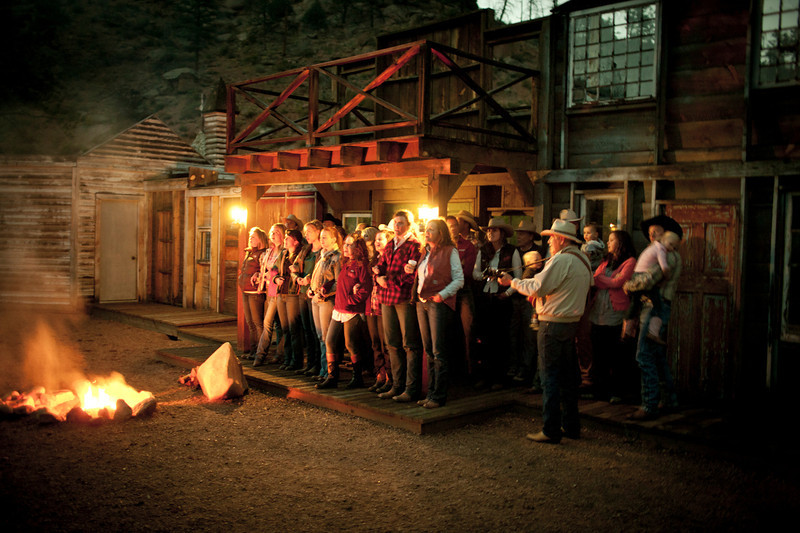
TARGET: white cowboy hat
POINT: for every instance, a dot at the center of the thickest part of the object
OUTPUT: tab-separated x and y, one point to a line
562	228
569	215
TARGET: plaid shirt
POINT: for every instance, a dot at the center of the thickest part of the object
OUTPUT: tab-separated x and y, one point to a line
398	283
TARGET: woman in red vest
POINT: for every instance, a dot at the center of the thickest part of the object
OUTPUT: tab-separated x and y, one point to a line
439	276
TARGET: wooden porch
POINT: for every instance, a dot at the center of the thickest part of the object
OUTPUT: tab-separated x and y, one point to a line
691	426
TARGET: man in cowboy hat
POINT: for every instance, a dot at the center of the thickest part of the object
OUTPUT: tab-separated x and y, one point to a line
468	227
292	222
493	304
560	290
651	355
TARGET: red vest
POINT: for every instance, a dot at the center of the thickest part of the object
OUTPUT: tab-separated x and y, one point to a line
438	275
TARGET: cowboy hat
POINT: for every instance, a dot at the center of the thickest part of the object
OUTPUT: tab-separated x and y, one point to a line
562	228
501	224
294	219
569	215
528	227
668	223
468	218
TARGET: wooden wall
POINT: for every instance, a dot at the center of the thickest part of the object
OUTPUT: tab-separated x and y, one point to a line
36	231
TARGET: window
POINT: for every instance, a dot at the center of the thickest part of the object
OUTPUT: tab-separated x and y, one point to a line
603	207
778	60
613	54
204	243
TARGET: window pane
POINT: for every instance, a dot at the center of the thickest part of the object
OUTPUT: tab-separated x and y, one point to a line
633	60
649	12
580	39
635	14
594	22
647	88
768	74
606	35
632	90
772	6
789	20
618	91
620	47
786	73
632	74
769	39
635	30
769	57
580	24
646	73
580	67
790	4
580	52
593	51
594	36
606	49
648	43
770	22
606	64
605	78
593	65
789	38
619	61
606	20
619	76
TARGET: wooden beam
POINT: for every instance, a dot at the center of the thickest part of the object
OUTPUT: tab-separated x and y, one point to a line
262	162
523	183
332	197
319	158
473	154
352	155
288	160
728	169
390	151
383	171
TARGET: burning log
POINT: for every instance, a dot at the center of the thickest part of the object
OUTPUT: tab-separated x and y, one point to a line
111	399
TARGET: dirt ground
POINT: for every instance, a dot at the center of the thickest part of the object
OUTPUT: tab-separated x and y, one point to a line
265	463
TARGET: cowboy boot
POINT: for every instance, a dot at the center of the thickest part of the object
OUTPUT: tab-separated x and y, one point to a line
332	381
357	382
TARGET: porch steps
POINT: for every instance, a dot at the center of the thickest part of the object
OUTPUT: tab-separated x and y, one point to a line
192	325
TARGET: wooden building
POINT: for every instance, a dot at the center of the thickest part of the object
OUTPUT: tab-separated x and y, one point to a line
79	228
619	110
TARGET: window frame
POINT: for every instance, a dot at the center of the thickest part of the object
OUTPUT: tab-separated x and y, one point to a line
757	49
790	332
624	100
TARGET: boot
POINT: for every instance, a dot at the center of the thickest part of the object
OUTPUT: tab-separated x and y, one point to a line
332	381
358	380
259	360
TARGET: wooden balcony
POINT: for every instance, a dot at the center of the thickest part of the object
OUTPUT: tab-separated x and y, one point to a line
421	88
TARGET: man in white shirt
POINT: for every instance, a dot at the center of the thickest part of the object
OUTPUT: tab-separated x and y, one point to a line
560	289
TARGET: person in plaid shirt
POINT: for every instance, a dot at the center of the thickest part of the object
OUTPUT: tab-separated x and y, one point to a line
399	316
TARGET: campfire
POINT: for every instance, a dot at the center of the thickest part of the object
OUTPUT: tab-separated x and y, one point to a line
59	388
108	398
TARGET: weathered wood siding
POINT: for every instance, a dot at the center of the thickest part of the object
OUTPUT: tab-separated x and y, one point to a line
36	257
705	47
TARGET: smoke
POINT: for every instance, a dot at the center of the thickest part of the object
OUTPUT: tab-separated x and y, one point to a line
37	349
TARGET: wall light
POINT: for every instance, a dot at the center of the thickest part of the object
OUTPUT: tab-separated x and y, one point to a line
426	213
238	215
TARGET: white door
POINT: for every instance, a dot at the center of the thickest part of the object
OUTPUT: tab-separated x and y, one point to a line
117	248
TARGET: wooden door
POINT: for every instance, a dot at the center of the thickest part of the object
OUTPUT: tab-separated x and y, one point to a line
117	250
703	313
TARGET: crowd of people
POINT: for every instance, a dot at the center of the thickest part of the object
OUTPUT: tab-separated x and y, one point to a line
464	301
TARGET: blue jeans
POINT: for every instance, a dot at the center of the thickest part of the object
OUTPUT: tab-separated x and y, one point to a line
309	332
322	312
404	345
435	320
561	376
652	359
253	305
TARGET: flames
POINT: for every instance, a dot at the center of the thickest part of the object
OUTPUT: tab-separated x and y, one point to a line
104	398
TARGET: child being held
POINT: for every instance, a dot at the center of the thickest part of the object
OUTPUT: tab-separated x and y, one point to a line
651	268
594	248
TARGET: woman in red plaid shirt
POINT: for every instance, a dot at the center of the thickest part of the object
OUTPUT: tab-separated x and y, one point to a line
399	316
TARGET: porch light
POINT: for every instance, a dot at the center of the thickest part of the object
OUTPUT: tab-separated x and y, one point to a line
238	215
426	213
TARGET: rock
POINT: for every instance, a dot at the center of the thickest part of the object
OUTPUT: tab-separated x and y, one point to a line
221	375
123	411
76	414
145	408
45	417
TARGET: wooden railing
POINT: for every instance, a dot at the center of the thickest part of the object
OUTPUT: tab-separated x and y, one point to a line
418	88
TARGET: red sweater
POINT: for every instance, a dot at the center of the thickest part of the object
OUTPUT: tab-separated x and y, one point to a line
352	273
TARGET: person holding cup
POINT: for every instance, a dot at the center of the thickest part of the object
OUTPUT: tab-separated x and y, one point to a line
399	316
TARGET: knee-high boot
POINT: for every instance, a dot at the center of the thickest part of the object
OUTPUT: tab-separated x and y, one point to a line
332	381
358	379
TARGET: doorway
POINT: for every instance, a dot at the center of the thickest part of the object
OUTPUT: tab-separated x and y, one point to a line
117	252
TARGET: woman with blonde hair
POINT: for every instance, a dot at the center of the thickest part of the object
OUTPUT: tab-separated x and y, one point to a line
439	276
252	299
323	287
303	267
270	261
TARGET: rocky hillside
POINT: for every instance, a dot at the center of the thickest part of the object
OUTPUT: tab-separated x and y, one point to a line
80	72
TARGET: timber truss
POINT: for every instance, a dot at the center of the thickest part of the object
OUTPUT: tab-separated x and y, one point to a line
417	110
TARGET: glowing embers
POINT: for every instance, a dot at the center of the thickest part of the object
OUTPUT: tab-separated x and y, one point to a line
109	398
